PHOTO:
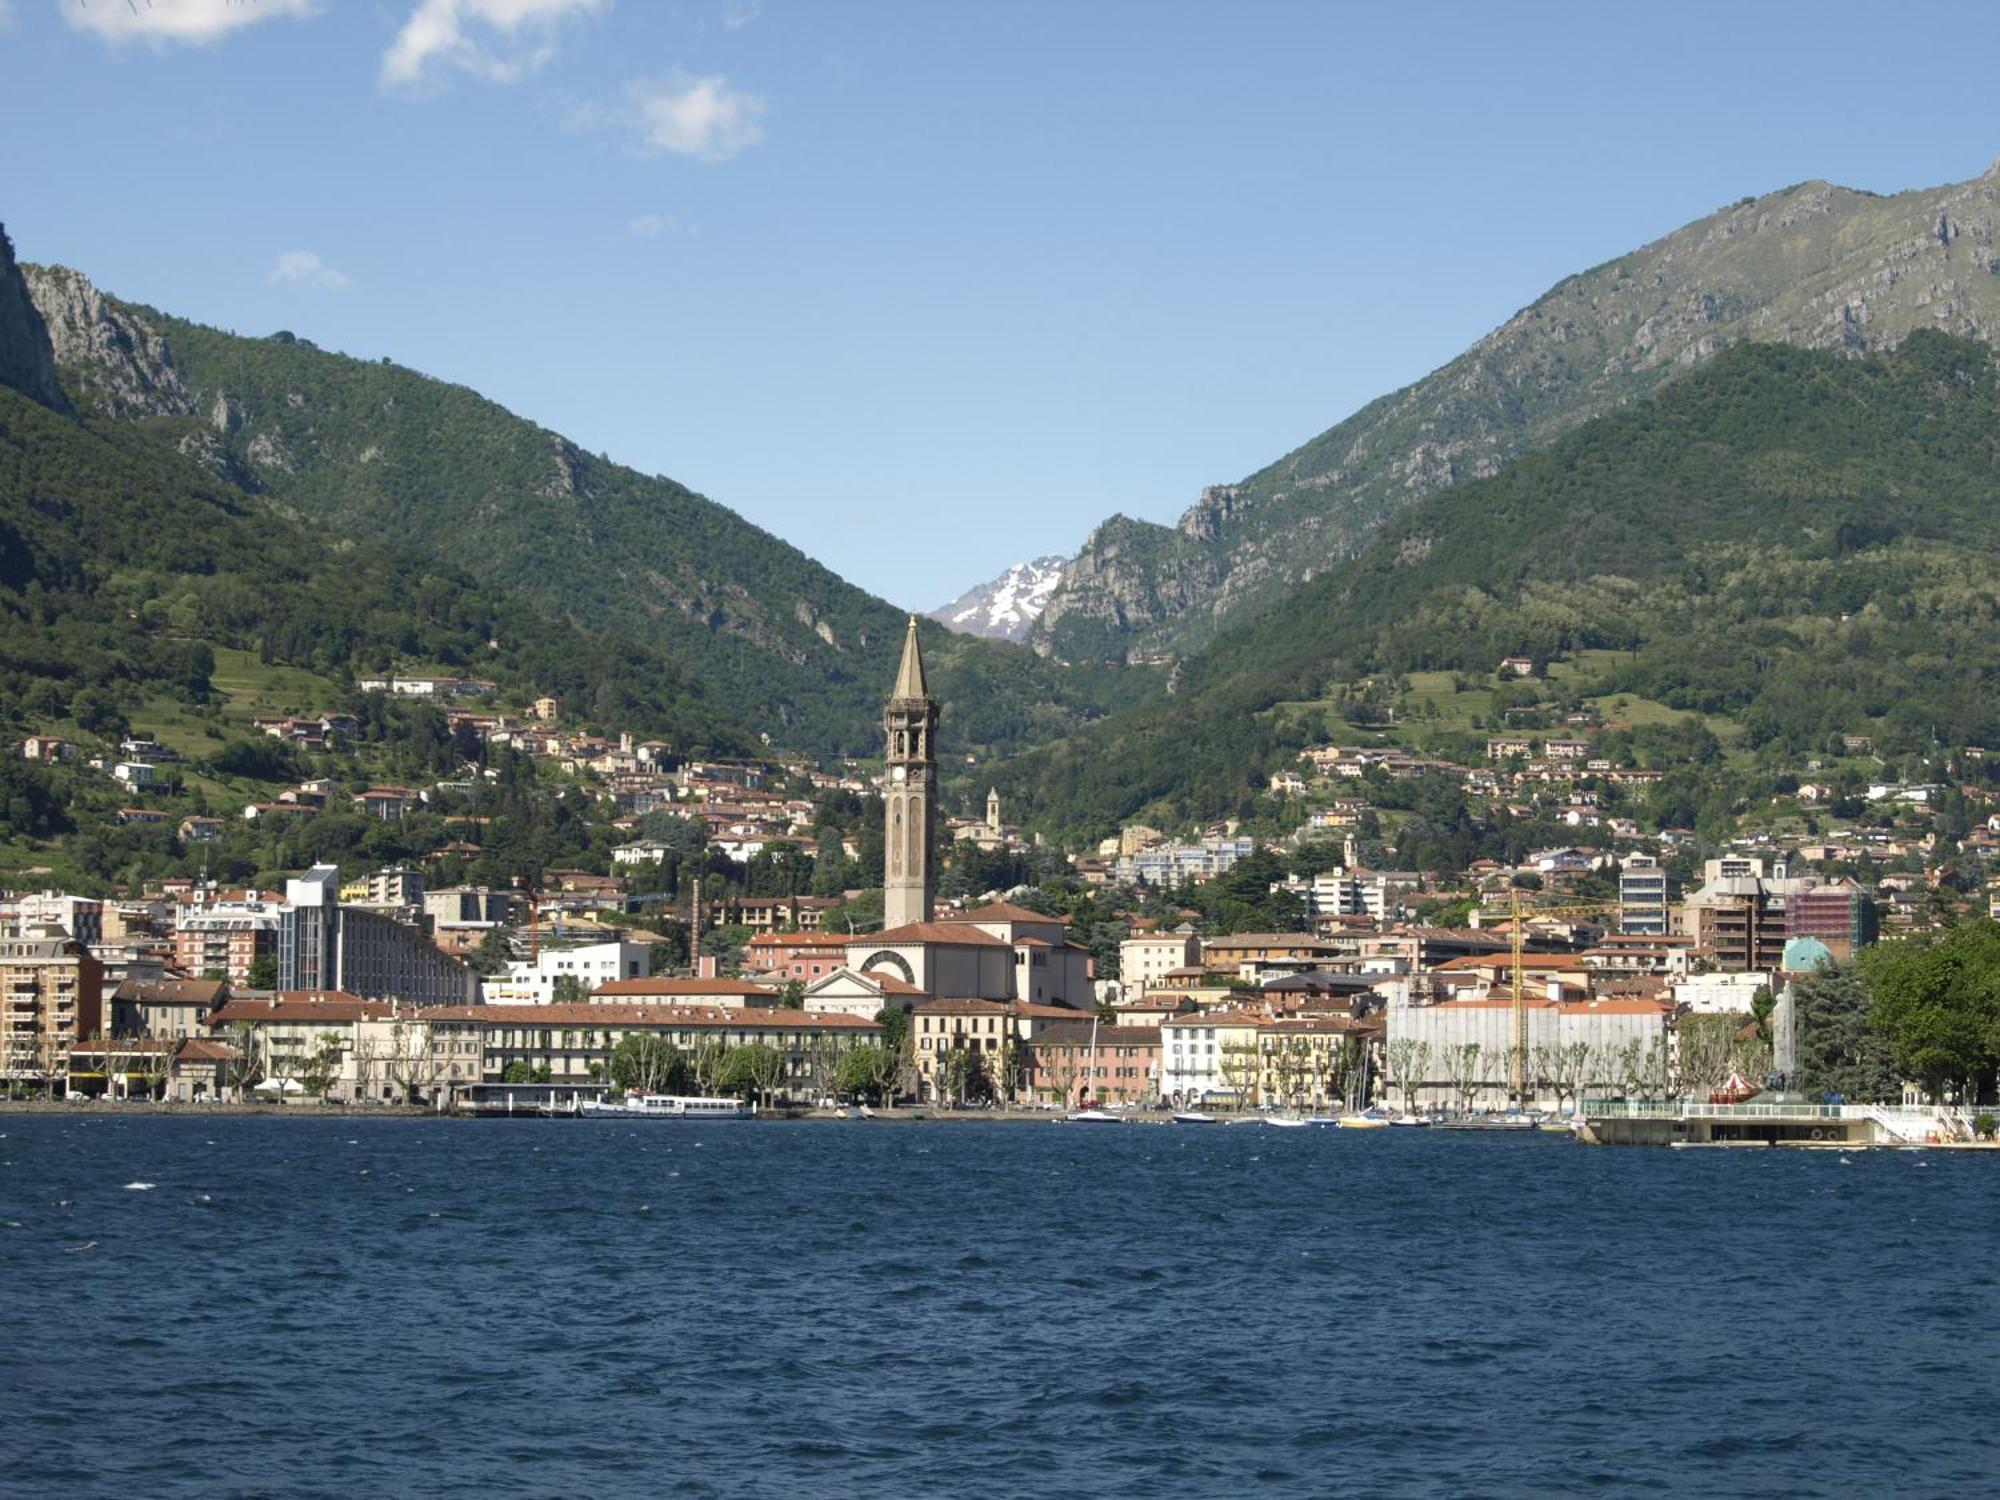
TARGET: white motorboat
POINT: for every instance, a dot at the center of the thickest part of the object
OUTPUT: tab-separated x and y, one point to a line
1193	1117
1287	1122
669	1107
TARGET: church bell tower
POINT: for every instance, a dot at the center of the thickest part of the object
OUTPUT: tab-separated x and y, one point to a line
911	723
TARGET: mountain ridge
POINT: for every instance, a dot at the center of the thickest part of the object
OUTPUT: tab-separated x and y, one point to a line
1814	264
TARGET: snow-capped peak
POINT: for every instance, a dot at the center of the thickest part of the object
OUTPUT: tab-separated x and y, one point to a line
1006	607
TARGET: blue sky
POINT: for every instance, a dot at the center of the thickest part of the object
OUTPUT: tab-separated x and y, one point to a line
929	288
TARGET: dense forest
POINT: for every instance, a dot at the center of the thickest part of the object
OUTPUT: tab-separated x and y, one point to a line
123	566
1807	543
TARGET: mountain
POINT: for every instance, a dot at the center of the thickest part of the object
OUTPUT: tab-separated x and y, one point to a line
1799	543
1815	265
374	450
27	360
126	567
1005	608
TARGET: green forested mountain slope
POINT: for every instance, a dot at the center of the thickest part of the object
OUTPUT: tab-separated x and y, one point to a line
1815	265
377	450
123	566
1806	542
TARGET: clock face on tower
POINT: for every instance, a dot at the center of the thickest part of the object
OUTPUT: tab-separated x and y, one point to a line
898	773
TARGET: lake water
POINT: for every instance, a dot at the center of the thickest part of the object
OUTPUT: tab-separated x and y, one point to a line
394	1307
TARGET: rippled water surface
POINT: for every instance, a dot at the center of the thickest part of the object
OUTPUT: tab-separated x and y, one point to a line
389	1307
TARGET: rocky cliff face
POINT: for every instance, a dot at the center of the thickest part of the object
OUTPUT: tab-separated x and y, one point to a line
120	362
1814	265
27	359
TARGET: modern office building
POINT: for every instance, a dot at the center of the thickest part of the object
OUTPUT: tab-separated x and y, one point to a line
323	945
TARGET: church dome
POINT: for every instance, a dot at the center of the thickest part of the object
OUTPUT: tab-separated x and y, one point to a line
1804	954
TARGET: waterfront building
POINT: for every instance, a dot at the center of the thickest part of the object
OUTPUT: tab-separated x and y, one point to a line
992	1031
171	1008
1210	1057
325	946
574	1043
1060	1065
51	997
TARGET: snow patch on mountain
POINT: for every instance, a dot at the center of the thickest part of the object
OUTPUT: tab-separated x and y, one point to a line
1006	607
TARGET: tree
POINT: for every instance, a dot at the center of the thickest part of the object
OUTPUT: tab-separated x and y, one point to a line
1936	1002
706	1063
1561	1065
570	988
322	1065
1409	1061
262	973
243	1069
1242	1068
413	1064
954	1076
1707	1048
895	1024
867	1071
645	1062
1006	1071
1838	1051
756	1067
494	953
1468	1071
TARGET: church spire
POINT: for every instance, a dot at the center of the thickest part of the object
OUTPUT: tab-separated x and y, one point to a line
910	681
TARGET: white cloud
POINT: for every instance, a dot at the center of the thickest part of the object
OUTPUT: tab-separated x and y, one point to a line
650	226
681	116
6	14
736	14
305	268
498	40
174	20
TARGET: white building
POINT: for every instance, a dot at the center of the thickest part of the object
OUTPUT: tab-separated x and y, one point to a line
1720	994
533	982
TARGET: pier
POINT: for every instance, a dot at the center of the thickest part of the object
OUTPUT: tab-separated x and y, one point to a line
1673	1122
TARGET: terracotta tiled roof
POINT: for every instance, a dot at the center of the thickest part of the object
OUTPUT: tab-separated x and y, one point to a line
963	934
291	1006
585	1013
628	989
1006	911
172	991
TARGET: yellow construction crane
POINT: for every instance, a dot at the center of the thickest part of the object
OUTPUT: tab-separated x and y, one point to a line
1517	1060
